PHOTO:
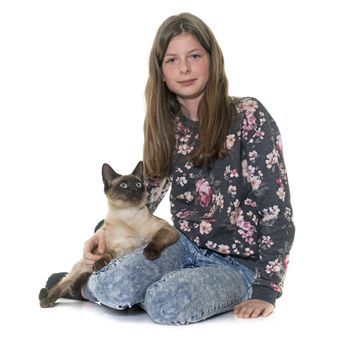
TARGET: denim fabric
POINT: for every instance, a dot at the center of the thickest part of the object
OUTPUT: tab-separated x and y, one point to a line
186	284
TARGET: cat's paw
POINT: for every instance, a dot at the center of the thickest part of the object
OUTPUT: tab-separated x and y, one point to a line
46	300
99	264
44	292
151	252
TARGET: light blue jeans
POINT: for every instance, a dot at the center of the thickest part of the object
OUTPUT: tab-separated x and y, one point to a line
186	284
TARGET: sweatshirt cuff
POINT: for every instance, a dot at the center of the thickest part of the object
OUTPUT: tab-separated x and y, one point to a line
264	293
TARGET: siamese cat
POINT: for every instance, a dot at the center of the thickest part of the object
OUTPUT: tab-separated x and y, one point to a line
127	226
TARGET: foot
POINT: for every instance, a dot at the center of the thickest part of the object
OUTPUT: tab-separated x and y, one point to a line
73	293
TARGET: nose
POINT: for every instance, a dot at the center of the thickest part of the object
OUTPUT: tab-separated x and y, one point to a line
184	68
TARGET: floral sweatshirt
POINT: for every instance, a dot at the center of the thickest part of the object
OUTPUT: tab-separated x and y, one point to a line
241	205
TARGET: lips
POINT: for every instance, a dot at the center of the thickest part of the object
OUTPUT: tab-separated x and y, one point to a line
187	82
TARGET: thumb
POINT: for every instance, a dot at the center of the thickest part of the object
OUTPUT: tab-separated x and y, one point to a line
101	246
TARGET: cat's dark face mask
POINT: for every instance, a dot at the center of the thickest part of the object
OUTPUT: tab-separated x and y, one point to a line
124	189
127	188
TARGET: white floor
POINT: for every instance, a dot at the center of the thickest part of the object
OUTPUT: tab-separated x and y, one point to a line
296	322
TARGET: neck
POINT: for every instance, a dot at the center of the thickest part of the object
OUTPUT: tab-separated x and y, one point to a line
190	107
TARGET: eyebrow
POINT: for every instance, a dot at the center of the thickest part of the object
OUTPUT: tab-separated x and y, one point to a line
174	54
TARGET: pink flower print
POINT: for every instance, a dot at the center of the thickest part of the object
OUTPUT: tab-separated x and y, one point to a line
270	213
281	193
230	141
155	194
204	192
183	214
285	262
224	249
260	134
266	242
248	252
210	245
255	182
250	106
184	149
205	227
232	190
184	226
245	168
251	121
271	159
230	172
219	199
180	127
288	214
185	138
181	180
250	202
236	216
279	145
273	266
276	287
253	155
188	165
189	197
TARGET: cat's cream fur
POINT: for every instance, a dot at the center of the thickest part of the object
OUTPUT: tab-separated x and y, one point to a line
127	226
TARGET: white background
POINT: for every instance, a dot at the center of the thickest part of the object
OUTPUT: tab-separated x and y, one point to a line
72	77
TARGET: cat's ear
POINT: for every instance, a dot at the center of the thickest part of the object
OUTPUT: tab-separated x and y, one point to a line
138	171
108	175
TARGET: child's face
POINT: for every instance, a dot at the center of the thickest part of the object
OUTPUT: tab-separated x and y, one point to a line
186	67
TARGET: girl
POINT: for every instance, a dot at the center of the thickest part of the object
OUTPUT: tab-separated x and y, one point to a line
230	201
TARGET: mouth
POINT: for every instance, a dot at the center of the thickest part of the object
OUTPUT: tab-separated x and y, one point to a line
187	82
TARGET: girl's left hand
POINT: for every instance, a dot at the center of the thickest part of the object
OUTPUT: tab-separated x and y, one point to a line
253	308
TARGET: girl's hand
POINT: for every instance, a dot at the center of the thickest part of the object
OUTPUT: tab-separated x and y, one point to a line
253	308
94	248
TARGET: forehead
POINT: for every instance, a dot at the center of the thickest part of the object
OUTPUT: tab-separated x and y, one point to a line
183	42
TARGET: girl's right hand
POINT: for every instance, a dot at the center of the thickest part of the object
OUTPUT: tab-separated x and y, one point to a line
94	248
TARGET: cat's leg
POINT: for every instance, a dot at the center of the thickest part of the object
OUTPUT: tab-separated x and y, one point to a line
72	283
102	262
163	238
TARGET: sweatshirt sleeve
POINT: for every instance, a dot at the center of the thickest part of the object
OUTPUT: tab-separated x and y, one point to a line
156	190
266	172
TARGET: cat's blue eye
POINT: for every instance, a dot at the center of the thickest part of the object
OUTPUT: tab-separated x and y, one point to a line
123	185
138	184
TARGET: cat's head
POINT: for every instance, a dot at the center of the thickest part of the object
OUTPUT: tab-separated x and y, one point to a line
124	191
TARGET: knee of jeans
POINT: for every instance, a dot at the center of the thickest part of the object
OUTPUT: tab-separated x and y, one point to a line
167	303
115	287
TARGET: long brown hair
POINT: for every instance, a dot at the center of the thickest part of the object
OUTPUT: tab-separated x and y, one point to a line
214	111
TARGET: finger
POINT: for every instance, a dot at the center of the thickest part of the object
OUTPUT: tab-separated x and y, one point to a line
91	257
267	312
89	263
236	309
257	312
240	305
245	311
101	246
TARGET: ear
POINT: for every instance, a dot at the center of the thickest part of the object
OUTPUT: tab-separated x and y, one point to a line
138	171
108	175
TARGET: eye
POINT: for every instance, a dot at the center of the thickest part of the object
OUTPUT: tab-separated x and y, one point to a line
123	185
170	60
138	184
195	56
